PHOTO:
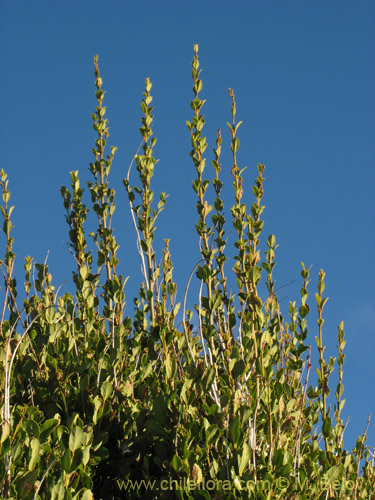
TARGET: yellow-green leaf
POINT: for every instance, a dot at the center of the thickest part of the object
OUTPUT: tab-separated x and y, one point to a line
76	438
244	460
35	447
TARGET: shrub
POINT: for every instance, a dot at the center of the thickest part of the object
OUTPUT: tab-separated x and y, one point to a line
216	404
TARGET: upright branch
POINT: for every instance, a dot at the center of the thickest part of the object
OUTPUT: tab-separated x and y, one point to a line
248	228
239	209
168	287
325	369
200	185
218	218
339	428
255	228
102	197
144	213
218	221
76	213
271	304
9	258
7	327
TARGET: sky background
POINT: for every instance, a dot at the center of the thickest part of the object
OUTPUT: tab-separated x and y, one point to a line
303	76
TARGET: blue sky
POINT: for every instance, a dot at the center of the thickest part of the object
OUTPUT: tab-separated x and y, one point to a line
303	75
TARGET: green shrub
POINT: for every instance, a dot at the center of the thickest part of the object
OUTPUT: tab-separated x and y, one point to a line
213	404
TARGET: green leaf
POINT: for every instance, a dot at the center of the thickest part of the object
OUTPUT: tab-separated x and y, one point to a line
128	388
76	460
339	390
237	483
168	366
25	484
185	387
146	370
86	455
66	461
271	241
254	274
215	302
238	368
266	338
161	410
32	428
47	428
212	434
327	427
244	461
208	377
155	428
76	438
237	126
84	272
50	315
58	491
237	400
35	447
333	474
176	463
106	389
5	431
235	429
303	311
197	474
88	495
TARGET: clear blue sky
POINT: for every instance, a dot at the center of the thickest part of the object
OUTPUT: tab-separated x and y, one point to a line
303	74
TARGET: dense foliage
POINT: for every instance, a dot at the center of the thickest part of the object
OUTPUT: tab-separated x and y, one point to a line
215	403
